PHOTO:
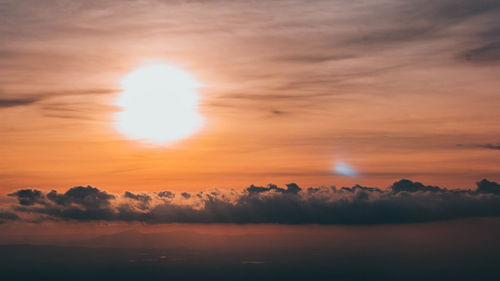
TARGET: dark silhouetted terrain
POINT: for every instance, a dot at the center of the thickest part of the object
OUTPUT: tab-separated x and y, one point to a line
456	250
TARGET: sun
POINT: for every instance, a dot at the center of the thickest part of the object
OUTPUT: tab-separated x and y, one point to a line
159	105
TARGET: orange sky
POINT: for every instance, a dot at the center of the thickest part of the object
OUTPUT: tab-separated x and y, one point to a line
394	90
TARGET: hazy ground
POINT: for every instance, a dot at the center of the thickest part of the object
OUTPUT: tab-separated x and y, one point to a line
454	250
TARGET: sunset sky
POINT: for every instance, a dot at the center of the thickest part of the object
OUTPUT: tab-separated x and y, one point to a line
249	140
289	91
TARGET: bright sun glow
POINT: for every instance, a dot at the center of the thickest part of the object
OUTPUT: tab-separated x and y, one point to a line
160	105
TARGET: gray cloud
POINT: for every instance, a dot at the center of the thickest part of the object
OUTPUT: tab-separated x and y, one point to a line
166	194
143	199
489	53
11	99
409	186
291	188
28	197
404	202
7	216
487	187
16	102
486	146
88	197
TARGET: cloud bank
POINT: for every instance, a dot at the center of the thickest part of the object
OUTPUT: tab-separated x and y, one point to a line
404	202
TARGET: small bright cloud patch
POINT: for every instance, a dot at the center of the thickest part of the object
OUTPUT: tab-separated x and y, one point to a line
345	169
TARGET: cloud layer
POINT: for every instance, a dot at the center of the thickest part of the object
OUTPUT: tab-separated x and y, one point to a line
404	202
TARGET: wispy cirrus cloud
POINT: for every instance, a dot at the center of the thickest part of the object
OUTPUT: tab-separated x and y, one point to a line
306	81
5	103
483	145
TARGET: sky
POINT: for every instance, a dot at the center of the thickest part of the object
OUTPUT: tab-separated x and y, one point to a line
317	93
269	140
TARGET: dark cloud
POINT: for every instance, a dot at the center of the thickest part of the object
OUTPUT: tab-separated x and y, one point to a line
409	186
5	216
32	98
88	197
166	194
486	146
78	203
4	103
292	188
28	197
489	53
485	186
490	146
143	199
313	189
59	199
359	187
138	197
404	202
71	212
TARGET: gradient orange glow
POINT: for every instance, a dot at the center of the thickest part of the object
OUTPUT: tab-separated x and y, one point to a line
287	94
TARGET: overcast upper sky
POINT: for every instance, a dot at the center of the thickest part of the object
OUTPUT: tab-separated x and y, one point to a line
313	92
